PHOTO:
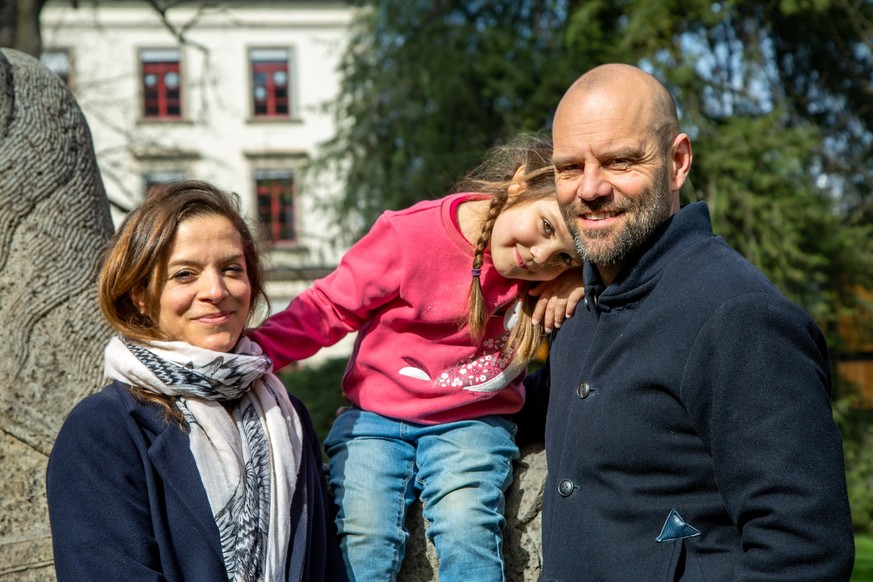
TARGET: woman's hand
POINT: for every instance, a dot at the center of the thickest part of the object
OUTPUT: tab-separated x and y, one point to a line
557	299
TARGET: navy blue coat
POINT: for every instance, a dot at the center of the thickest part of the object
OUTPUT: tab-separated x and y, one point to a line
689	433
126	501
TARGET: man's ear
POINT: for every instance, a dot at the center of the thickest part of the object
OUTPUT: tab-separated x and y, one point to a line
518	186
680	162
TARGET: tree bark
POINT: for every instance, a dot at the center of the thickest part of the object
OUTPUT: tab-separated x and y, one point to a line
19	25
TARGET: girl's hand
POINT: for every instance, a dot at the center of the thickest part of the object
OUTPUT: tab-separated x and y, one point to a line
557	299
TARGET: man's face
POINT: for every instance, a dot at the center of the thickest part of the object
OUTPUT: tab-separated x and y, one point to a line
612	179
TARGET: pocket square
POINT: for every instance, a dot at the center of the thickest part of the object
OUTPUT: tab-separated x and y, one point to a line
675	528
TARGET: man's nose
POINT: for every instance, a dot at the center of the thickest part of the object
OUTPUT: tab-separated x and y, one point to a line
593	184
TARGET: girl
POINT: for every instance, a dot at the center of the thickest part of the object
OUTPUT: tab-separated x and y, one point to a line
438	362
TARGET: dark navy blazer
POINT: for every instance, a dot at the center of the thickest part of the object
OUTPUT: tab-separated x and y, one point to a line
126	501
689	431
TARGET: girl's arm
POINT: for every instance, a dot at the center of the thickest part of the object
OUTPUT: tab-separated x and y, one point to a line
368	277
558	299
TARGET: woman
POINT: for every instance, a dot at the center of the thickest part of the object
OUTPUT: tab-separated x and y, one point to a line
194	463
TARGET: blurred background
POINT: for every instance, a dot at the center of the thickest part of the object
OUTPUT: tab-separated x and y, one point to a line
321	114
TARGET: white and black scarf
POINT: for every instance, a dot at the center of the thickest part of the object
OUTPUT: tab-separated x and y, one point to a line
248	460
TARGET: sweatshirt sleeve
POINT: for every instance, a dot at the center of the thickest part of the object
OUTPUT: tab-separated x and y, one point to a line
368	277
757	384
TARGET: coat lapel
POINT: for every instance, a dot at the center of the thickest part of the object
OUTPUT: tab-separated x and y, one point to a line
172	459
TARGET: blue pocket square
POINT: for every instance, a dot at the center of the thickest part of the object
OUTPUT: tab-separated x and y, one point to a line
675	528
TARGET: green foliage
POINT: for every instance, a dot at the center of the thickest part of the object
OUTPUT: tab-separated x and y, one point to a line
776	97
320	389
857	444
863	571
428	86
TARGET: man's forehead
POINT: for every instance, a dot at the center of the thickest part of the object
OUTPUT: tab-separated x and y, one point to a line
602	138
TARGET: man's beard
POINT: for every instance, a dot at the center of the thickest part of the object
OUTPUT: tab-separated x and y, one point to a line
643	215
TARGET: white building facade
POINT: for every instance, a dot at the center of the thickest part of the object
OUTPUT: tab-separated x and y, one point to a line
228	92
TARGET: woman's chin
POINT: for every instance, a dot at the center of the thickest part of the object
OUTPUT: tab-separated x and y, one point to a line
221	342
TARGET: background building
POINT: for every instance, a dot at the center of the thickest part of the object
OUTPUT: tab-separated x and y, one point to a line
229	92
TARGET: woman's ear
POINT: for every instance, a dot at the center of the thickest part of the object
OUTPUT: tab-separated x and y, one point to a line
518	185
137	295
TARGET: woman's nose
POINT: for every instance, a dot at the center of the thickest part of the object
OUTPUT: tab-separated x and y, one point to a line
214	288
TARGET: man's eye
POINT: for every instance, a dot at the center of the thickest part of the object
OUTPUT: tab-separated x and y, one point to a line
619	164
569	170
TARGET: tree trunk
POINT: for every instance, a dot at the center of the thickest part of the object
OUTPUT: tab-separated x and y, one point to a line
19	25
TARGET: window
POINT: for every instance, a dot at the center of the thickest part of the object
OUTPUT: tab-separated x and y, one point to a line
275	201
58	62
150	179
270	82
161	84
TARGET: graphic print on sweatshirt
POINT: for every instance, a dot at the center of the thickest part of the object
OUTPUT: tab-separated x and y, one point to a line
488	370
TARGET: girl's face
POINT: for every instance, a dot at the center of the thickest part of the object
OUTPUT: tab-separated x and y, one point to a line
530	241
206	296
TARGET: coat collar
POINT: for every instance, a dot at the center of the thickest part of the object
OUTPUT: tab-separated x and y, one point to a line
676	235
170	454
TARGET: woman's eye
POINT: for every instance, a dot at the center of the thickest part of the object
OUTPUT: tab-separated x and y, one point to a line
183	275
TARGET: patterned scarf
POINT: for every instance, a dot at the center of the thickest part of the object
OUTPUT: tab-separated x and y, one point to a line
248	460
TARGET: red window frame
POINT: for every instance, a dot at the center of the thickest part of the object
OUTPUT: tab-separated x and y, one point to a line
271	86
275	196
162	99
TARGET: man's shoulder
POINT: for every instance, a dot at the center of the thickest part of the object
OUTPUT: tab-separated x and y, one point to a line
714	265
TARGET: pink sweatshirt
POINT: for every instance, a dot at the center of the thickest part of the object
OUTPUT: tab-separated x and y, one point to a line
404	287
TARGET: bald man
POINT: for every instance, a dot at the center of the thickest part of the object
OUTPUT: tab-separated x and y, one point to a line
689	434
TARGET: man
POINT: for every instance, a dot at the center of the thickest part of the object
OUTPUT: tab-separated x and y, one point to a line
689	433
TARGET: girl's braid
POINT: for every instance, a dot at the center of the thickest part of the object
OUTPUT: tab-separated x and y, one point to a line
478	315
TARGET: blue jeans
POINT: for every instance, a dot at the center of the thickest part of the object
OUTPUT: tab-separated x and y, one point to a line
461	470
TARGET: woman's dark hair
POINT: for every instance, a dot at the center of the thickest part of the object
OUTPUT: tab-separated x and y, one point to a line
136	260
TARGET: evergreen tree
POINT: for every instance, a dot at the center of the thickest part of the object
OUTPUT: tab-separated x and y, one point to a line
775	95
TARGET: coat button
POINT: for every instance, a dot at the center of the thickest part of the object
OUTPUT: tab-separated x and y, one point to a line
565	488
583	390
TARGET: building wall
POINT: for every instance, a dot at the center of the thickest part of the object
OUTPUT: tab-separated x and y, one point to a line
217	138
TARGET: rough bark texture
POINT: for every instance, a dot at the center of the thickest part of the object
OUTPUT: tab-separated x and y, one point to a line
54	222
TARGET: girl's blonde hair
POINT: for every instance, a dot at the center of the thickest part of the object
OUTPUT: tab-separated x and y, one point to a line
495	176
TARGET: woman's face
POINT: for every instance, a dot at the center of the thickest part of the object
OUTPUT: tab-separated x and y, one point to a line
206	296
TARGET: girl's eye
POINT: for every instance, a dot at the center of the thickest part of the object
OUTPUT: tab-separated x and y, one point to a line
547	228
235	269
